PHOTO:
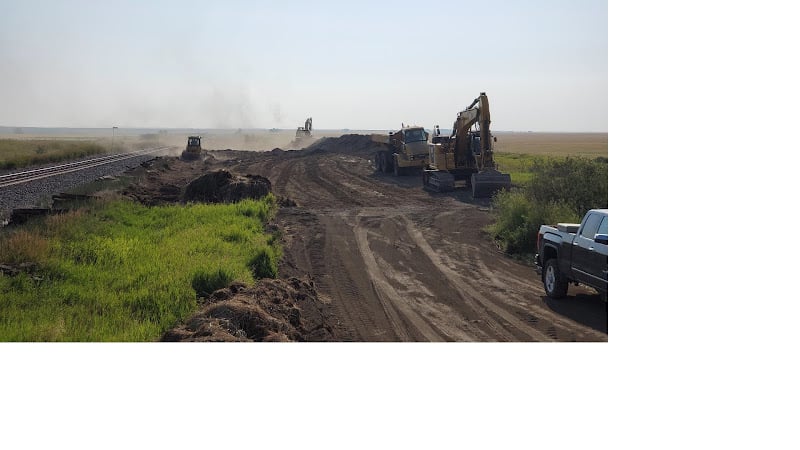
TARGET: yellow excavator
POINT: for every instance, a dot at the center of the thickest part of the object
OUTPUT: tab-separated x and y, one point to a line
305	131
466	155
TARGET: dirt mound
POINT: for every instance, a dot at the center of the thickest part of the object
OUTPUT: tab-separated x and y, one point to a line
348	143
271	311
222	187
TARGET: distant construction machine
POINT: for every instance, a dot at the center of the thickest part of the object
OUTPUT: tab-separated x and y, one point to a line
466	155
193	149
305	131
406	152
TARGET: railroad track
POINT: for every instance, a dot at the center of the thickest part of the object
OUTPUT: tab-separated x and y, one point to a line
26	176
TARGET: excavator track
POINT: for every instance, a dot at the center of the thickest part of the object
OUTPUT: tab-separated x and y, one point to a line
438	181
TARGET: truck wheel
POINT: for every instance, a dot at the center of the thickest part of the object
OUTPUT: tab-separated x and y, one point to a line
555	286
397	168
387	162
382	162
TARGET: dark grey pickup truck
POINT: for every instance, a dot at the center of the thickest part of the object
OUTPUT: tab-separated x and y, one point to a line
574	253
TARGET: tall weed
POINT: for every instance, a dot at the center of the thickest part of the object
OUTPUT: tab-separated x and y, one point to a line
23	246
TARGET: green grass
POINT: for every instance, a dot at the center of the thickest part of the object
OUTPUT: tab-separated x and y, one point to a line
516	164
18	153
121	271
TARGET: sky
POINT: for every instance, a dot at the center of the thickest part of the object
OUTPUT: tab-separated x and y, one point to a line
270	64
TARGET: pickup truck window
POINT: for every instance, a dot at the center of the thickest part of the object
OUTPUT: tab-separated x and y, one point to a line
603	226
591	225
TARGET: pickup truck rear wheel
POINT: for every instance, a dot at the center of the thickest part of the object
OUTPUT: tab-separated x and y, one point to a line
555	286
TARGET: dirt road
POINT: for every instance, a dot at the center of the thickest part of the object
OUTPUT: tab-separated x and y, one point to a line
392	262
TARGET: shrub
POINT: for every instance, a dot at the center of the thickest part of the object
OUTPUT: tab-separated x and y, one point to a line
578	182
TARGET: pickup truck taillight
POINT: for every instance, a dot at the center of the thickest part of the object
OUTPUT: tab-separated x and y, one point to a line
539	242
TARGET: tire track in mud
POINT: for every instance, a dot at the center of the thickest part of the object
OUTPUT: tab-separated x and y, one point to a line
472	297
319	248
516	288
342	196
418	284
302	183
562	329
387	295
333	261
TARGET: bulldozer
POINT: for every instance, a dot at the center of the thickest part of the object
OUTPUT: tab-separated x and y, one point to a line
193	148
406	150
466	155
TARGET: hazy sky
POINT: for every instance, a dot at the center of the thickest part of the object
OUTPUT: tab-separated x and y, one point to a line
264	64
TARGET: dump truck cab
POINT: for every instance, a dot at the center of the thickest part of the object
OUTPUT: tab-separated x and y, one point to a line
410	149
405	150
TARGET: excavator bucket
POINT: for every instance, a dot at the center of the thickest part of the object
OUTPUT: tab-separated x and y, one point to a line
486	183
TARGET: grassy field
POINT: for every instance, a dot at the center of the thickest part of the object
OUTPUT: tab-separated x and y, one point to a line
120	271
517	153
590	145
18	153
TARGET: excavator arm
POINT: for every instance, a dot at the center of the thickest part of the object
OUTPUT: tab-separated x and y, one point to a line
476	112
487	179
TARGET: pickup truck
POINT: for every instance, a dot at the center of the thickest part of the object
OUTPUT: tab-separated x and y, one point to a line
574	253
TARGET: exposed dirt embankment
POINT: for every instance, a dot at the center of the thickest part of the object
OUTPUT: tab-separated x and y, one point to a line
272	310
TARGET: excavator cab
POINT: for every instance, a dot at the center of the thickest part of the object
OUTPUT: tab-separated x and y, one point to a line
475	144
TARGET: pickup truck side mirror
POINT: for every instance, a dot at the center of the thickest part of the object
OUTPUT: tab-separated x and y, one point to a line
601	239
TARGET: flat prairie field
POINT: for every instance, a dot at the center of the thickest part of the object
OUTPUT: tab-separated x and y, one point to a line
590	145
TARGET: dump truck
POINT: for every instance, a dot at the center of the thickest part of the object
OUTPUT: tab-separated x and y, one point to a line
405	150
193	148
466	155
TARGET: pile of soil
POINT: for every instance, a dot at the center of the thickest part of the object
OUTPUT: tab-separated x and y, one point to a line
223	187
271	311
160	181
357	144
